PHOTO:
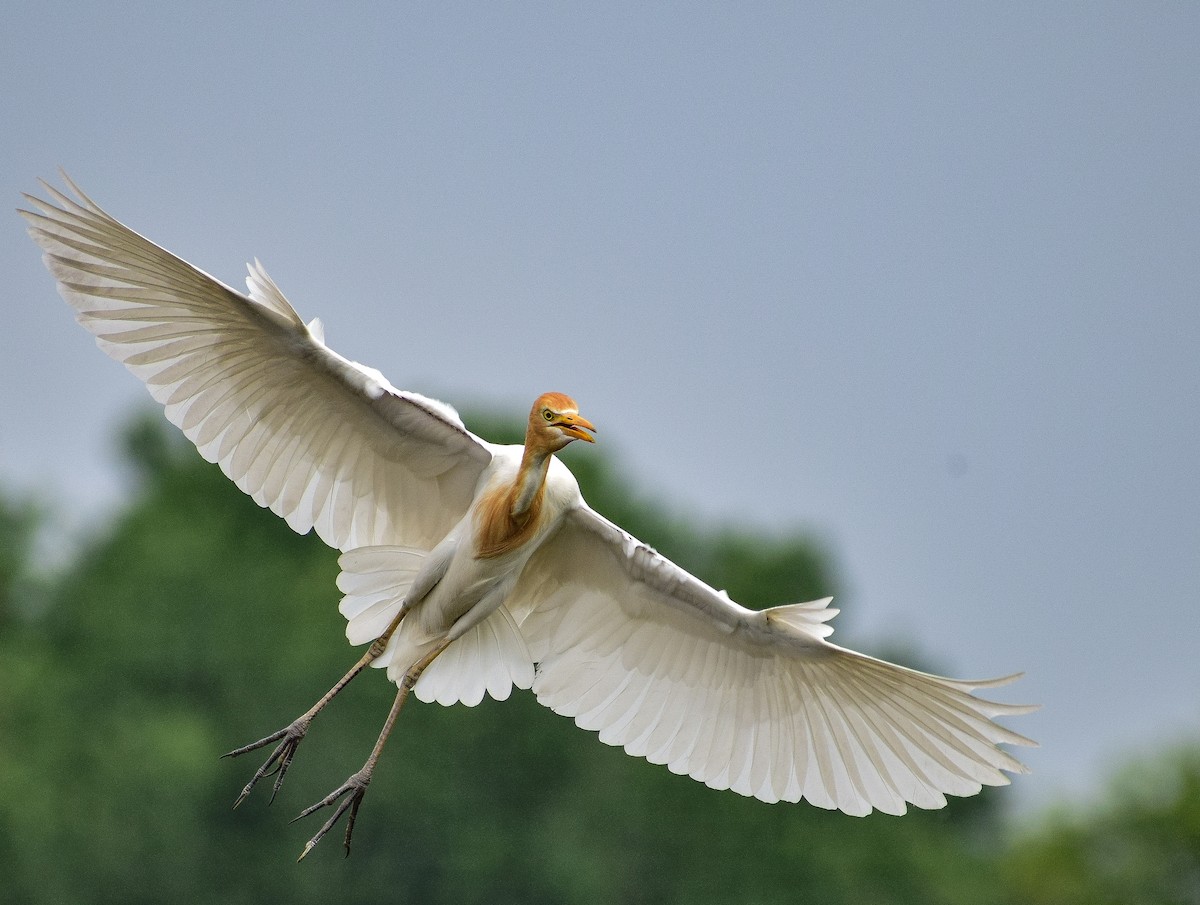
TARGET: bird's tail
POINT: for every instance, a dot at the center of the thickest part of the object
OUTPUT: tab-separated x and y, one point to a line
375	581
489	658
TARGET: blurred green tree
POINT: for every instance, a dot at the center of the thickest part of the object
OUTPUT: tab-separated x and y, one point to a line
1140	845
196	621
19	521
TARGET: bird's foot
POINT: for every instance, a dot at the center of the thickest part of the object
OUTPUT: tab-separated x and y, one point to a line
354	789
281	758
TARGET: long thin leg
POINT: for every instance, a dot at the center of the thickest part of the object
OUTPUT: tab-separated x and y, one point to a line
281	758
355	787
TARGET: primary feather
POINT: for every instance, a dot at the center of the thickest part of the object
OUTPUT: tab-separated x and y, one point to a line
322	441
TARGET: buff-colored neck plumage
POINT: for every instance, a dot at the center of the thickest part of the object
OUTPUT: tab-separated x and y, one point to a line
509	514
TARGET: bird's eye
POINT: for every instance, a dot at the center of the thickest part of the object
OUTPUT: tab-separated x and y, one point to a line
547	414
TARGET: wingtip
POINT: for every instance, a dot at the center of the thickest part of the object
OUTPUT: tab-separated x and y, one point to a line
74	186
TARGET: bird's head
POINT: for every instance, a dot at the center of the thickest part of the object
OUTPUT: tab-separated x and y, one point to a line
555	421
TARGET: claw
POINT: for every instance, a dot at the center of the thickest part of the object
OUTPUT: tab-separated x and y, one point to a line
281	758
354	788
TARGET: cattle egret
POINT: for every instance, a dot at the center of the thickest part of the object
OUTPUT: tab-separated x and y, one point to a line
469	567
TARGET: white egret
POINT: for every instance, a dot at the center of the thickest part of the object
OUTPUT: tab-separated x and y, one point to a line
470	567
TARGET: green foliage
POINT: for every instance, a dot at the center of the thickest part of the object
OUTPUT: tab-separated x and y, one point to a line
197	622
1141	846
18	525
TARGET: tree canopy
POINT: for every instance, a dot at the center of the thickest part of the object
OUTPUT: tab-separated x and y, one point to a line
195	621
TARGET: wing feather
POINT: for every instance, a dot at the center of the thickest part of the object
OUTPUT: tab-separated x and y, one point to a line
636	649
322	441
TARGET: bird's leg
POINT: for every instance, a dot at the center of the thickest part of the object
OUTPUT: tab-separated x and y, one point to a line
355	787
290	736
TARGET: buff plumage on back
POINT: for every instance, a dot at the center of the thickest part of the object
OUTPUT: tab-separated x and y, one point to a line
322	441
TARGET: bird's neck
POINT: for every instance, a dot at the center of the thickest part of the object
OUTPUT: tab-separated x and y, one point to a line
509	515
530	483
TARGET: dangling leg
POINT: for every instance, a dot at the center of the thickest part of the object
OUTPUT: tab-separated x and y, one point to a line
356	786
281	758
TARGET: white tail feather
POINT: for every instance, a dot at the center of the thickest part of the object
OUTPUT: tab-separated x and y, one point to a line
490	658
375	581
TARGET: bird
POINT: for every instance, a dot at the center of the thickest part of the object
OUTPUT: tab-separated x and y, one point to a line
469	568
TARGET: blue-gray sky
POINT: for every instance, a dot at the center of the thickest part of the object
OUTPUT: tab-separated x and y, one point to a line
920	279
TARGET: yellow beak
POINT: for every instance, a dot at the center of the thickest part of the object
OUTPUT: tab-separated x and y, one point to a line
576	426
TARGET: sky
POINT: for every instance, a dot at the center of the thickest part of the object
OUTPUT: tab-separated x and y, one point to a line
918	280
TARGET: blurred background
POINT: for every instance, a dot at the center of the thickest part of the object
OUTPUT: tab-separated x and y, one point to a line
895	303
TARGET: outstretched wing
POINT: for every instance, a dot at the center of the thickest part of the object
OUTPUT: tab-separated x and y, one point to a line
322	441
658	662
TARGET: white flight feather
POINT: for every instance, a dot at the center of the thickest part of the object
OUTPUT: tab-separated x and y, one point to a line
655	661
289	420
